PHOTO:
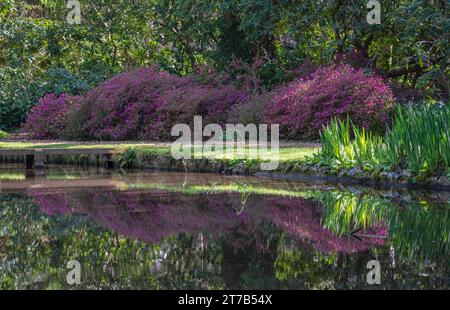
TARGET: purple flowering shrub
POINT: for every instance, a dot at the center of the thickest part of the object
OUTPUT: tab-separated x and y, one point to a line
145	104
118	108
139	105
303	106
182	104
48	119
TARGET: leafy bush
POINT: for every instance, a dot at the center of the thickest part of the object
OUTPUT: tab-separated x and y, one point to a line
17	94
20	91
126	159
48	120
146	103
76	120
305	105
3	135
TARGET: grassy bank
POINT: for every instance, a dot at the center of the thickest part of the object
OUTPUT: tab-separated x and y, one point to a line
414	151
144	155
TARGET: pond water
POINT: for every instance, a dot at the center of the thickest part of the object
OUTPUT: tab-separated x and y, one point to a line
147	230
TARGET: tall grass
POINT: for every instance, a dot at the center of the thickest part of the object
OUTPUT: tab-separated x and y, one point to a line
421	137
345	146
419	141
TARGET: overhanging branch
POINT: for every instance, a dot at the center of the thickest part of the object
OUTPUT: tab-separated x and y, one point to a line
408	69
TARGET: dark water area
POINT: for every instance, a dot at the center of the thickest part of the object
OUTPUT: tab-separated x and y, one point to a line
146	230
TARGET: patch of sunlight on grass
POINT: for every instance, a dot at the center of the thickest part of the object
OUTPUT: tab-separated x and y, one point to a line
26	145
286	154
11	176
68	145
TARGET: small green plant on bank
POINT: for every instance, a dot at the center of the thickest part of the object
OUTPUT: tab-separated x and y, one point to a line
418	141
3	135
126	159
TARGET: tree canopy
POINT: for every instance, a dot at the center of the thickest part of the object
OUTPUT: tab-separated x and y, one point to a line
40	52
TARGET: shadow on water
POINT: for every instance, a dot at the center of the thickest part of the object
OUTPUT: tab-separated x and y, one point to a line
171	230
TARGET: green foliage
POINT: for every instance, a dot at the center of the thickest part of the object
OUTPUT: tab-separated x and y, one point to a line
126	159
421	137
41	53
18	94
345	146
3	135
418	141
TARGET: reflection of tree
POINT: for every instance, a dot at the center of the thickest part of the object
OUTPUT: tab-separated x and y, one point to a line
155	240
312	270
153	217
37	247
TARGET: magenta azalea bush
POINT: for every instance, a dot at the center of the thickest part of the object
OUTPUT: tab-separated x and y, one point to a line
48	120
124	106
139	105
306	104
145	104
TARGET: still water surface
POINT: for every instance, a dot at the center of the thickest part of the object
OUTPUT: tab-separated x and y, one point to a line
146	230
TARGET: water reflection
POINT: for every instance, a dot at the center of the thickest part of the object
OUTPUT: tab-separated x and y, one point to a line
168	230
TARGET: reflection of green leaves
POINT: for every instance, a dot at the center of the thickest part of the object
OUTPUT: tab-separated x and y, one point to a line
344	211
12	176
301	266
38	246
421	229
245	193
34	248
3	135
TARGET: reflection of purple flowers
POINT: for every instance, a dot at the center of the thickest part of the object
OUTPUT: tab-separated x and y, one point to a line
51	204
153	216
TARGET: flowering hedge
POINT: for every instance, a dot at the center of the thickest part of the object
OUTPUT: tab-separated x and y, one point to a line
140	105
145	104
48	119
306	104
